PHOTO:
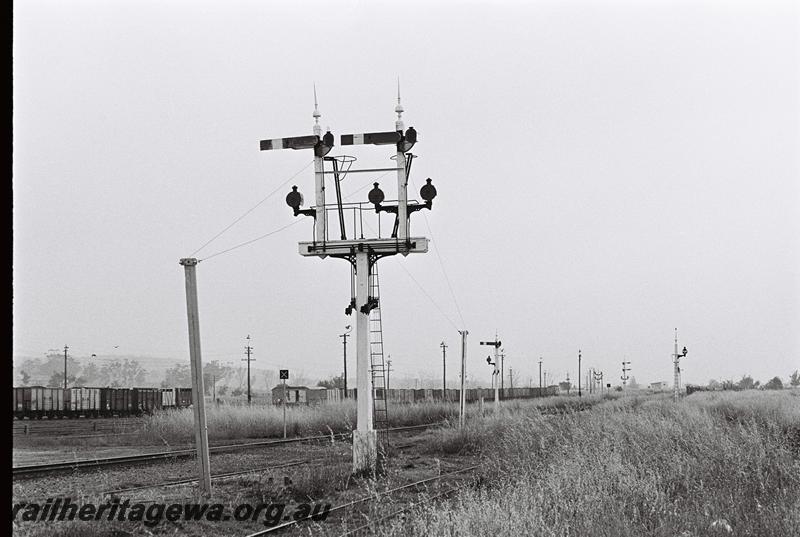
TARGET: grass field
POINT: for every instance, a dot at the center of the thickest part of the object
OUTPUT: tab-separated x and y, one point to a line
176	427
715	464
721	463
231	422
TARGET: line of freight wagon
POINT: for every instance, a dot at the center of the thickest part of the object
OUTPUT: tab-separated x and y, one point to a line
37	402
305	395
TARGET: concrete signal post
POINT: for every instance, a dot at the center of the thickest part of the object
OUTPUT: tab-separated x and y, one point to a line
462	398
676	365
495	381
624	378
361	253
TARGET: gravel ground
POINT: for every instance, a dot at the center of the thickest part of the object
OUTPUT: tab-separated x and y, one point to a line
325	479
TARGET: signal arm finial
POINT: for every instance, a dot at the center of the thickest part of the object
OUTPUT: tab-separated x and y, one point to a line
398	125
316	114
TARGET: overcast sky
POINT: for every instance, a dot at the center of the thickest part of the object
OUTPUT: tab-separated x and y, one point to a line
607	171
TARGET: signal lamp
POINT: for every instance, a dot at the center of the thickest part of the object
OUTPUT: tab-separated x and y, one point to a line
428	191
376	195
294	199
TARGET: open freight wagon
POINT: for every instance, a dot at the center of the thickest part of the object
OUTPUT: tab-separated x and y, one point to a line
37	402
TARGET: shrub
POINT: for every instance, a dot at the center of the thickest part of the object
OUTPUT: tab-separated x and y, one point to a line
632	468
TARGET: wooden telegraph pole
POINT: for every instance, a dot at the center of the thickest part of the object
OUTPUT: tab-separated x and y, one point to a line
248	350
444	371
463	396
65	366
502	374
198	396
344	349
540	376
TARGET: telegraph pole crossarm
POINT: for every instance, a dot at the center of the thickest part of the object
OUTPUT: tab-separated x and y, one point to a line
598	377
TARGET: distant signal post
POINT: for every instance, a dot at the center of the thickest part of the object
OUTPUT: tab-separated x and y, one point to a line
624	378
496	344
676	365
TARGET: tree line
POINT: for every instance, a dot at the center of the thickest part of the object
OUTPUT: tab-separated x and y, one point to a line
116	373
218	378
747	382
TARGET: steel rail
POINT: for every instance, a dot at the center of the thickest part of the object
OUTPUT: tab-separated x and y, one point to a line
170	483
214	476
381	520
362	500
27	470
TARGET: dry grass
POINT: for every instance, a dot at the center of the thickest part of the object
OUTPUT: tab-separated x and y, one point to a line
233	422
633	467
230	422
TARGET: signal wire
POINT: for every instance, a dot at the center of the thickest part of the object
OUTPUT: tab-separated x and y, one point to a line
276	230
264	236
253	208
436	305
441	263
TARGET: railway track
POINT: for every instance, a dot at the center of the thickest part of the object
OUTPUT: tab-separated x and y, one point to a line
214	477
370	526
76	428
67	466
365	527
